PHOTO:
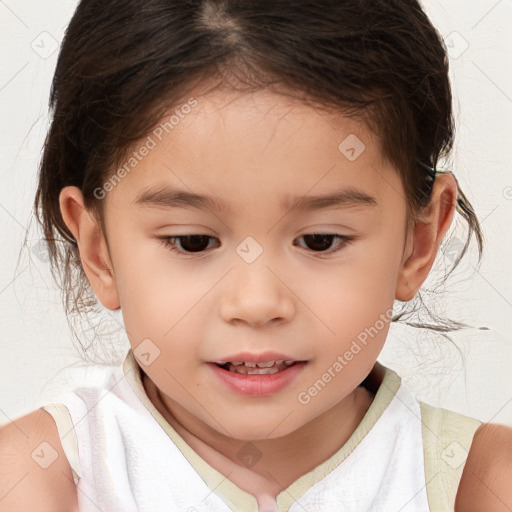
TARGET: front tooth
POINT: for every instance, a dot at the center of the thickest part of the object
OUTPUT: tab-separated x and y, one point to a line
267	371
251	365
252	371
266	365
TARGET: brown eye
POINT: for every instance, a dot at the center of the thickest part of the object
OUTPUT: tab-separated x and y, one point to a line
320	242
187	243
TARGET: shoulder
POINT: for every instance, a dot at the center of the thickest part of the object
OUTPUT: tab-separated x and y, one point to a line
486	480
34	471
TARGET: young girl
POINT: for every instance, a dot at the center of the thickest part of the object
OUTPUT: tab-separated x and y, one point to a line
254	185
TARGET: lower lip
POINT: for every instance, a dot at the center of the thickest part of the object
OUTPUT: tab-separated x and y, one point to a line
258	385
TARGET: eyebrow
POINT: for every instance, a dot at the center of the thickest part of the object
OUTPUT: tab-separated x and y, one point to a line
174	198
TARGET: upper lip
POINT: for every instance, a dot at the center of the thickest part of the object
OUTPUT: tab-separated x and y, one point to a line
251	357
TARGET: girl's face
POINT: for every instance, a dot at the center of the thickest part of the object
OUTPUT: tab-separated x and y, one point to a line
256	285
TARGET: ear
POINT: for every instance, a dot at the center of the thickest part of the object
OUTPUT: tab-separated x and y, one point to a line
92	246
425	236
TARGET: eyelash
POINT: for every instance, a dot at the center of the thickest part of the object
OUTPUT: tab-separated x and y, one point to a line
168	242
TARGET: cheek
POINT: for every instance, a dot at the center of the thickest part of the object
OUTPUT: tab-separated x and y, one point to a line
353	301
354	292
151	293
162	301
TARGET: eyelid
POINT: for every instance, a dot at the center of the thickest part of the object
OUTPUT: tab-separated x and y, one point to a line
345	241
166	241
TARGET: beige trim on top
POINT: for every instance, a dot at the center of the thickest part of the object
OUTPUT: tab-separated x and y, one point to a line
239	500
67	435
447	438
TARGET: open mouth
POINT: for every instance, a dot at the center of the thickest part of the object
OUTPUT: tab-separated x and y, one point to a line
265	368
257	379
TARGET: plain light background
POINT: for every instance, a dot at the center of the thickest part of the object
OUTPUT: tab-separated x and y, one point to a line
38	360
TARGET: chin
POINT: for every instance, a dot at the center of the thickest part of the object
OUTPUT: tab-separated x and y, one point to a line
260	428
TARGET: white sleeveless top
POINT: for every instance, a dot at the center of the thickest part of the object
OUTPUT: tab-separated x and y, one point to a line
125	457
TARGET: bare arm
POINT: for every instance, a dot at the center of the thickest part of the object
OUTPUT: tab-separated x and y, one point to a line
35	474
486	483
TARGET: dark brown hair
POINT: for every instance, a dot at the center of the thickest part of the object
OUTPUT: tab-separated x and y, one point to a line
124	63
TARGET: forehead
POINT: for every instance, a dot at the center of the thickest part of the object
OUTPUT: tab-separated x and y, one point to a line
238	147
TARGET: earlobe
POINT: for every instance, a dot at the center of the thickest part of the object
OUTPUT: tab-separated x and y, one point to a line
425	236
92	246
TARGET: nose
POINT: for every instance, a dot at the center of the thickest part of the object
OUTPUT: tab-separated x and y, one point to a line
256	295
